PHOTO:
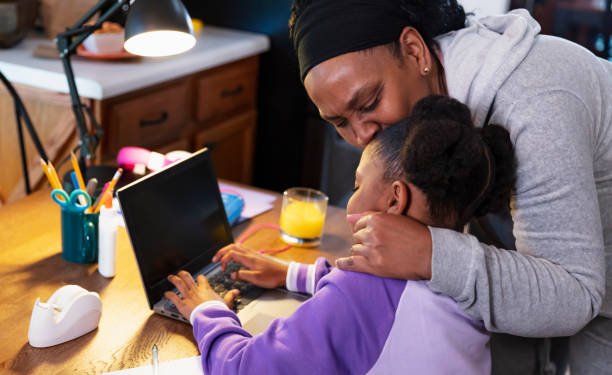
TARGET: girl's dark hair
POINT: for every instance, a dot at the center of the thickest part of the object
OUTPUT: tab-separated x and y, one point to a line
386	147
439	151
464	171
430	17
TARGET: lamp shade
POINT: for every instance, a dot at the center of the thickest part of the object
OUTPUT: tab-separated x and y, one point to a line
158	28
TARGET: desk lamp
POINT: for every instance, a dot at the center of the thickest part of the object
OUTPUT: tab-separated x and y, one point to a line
153	28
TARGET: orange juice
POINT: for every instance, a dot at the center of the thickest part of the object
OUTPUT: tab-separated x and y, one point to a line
302	219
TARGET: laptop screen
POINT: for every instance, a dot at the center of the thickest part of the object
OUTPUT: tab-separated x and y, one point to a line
176	220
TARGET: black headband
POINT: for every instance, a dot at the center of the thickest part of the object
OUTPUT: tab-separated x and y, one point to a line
329	28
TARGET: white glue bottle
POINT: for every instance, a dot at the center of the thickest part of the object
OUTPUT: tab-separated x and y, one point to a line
107	239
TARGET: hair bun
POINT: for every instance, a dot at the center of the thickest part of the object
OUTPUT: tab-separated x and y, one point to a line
438	107
445	156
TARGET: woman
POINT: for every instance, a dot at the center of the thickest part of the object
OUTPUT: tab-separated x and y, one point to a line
364	64
337	331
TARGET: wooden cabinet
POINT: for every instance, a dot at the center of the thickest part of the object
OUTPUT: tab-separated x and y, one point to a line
225	90
151	119
214	108
231	146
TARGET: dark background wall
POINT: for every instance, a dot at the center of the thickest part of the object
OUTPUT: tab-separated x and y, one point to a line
283	104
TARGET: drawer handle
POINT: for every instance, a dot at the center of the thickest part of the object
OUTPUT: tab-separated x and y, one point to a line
237	91
157	121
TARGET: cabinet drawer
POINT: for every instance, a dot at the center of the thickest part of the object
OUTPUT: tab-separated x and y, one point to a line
224	90
152	119
231	145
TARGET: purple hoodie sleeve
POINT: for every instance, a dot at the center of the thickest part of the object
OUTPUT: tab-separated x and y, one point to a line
333	332
304	278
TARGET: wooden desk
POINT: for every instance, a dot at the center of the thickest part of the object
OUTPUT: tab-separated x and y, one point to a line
31	266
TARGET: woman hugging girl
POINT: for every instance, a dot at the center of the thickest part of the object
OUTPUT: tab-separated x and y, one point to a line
435	167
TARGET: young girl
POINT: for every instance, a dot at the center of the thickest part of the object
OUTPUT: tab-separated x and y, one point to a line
436	168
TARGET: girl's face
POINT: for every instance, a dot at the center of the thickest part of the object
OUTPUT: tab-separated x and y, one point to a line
371	191
364	92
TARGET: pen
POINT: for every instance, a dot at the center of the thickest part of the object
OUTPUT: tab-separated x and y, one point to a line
155	360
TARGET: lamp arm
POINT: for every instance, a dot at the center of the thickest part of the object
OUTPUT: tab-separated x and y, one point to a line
87	142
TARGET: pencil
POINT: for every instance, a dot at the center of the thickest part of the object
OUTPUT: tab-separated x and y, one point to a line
77	171
46	171
109	190
58	184
102	194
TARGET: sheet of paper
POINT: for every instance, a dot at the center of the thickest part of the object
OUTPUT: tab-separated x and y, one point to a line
255	202
192	365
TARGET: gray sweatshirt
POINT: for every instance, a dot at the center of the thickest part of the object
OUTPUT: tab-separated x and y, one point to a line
555	99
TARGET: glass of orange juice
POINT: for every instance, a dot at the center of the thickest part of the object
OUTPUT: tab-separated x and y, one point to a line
303	216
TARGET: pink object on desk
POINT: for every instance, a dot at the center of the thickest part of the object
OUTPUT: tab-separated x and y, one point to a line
139	159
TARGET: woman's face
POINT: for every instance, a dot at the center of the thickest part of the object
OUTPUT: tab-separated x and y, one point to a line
371	191
362	93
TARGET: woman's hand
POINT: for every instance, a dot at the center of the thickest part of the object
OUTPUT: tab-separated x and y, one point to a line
262	270
193	294
389	245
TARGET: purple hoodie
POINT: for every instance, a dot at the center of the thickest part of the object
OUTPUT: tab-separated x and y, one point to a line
349	326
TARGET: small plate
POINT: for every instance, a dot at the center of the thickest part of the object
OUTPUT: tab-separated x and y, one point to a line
84	52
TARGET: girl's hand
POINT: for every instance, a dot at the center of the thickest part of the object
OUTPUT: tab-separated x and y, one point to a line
389	245
194	293
262	270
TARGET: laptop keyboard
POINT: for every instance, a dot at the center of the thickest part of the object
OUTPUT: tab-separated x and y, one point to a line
222	283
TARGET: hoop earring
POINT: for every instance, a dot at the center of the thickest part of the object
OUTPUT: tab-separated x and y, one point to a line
427	70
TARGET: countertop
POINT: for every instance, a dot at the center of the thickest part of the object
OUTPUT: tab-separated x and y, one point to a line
105	79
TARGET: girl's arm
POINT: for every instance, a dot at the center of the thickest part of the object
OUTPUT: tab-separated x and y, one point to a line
335	331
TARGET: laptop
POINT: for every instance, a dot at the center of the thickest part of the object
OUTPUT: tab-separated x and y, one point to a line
176	221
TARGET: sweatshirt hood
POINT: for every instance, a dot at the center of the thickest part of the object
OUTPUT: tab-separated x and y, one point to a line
479	58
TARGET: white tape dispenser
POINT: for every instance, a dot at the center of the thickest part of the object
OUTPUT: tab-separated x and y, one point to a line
70	312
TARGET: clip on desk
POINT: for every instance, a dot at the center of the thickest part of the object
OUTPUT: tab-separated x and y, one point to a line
31	266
